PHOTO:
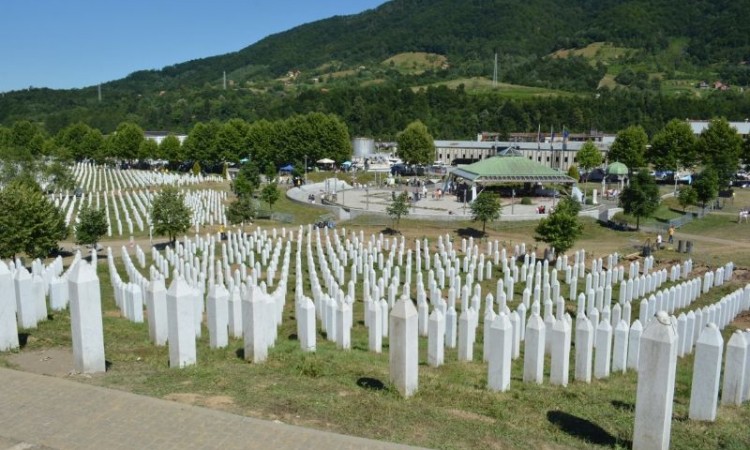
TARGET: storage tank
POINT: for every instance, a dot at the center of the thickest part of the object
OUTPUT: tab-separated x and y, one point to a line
363	147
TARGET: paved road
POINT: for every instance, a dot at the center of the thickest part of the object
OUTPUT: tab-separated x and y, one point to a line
40	412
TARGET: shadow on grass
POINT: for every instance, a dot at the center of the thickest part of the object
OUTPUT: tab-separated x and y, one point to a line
240	353
625	406
470	232
370	383
293	337
584	429
23	339
388	231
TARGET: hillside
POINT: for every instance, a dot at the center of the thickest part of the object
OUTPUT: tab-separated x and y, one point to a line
467	33
567	46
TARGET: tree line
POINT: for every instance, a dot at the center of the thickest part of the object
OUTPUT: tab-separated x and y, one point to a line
301	137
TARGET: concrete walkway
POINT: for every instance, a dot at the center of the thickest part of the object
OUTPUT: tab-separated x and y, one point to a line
40	412
376	200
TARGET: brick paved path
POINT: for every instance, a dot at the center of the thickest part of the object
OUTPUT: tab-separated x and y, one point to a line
40	412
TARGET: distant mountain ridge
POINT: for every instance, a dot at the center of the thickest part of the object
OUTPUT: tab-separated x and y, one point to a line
470	31
644	49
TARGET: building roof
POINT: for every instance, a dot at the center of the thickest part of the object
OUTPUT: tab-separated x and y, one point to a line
699	125
509	169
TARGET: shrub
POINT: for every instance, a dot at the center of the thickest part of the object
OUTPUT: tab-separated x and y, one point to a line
526	201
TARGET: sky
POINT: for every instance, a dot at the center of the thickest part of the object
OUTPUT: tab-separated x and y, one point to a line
64	44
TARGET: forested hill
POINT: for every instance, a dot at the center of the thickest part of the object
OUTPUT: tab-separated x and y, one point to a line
546	48
468	32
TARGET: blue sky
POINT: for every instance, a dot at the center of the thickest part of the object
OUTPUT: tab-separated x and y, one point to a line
76	43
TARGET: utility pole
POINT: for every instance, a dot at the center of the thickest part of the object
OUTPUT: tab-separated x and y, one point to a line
100	91
494	74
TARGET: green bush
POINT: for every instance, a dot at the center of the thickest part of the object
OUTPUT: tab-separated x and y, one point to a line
526	201
573	173
196	168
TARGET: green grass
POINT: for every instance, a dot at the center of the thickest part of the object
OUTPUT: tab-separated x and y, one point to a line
452	408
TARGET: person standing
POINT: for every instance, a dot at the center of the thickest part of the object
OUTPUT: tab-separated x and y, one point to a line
671	234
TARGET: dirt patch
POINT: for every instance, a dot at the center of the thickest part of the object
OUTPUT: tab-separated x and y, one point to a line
56	362
220	402
461	414
742	322
741	275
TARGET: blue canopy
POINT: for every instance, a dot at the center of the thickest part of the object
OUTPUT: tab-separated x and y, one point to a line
287	168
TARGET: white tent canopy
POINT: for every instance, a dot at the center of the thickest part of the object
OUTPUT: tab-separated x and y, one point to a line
326	161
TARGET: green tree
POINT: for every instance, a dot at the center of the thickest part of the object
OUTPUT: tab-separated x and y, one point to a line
148	149
270	194
171	150
640	198
629	148
247	180
673	147
588	157
58	176
29	222
486	207
415	144
573	172
200	144
562	228
706	186
169	214
126	141
91	226
231	140
686	197
398	208
719	147
241	210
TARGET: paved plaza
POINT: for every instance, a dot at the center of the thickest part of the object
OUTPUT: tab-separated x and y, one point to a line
446	207
42	412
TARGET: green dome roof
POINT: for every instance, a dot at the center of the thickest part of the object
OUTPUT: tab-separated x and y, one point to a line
617	168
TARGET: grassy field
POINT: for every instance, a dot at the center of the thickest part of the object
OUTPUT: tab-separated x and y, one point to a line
349	392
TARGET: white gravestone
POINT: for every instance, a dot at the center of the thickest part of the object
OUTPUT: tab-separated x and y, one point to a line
404	347
180	310
87	331
156	304
498	369
732	391
584	348
704	393
8	323
218	316
656	382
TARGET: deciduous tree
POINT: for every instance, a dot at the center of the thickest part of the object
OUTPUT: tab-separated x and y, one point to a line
486	207
588	157
416	145
562	228
270	194
241	210
640	199
706	186
719	147
91	226
673	147
398	208
686	197
629	147
169	214
29	222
